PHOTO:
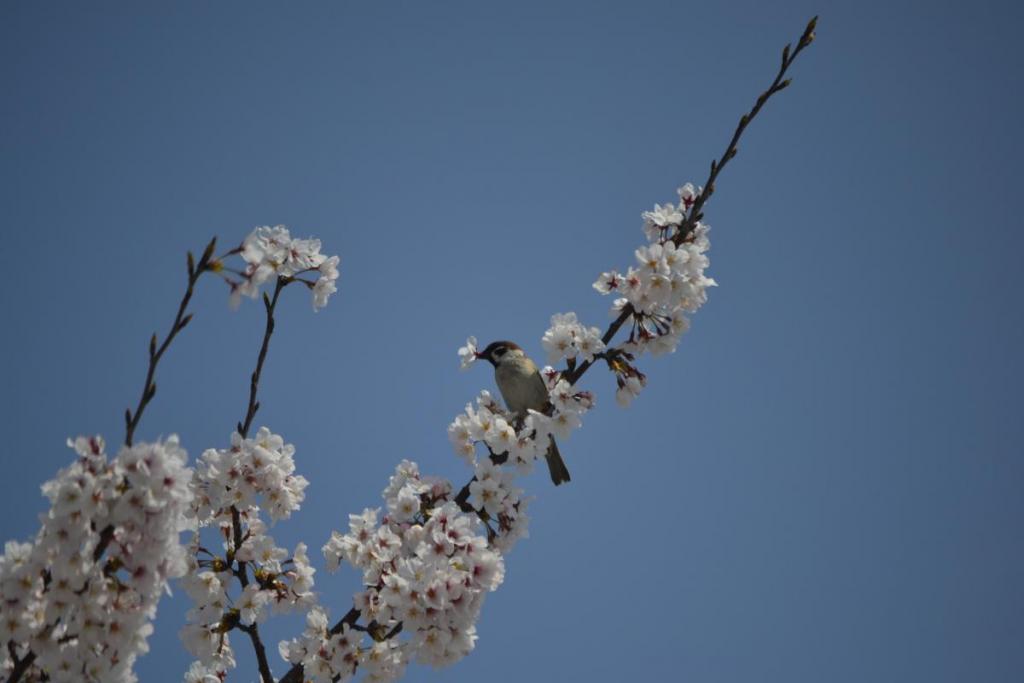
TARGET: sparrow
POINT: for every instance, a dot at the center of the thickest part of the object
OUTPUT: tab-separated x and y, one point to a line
523	389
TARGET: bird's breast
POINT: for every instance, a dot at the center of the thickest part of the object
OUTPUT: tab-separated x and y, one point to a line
521	386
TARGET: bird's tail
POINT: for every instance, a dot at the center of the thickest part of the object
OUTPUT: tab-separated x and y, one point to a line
559	472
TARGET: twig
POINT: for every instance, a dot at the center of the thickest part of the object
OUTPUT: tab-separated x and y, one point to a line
254	380
156	353
788	57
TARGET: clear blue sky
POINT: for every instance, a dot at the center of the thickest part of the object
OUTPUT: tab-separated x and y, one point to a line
823	484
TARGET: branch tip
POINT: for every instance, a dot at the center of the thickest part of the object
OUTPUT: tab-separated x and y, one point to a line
208	252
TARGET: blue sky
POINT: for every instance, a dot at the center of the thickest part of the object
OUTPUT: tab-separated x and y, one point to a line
823	483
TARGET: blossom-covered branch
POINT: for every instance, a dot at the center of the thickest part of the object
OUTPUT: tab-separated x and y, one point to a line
433	556
667	281
679	222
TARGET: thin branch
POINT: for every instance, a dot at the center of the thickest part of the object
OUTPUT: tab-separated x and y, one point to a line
236	527
788	57
253	631
156	353
696	211
21	666
573	376
254	380
261	652
195	270
242	573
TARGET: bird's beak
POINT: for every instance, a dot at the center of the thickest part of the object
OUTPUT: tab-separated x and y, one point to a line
479	356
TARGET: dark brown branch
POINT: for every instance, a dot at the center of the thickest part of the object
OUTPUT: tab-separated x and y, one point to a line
573	375
156	353
21	666
788	57
242	573
254	380
236	528
261	652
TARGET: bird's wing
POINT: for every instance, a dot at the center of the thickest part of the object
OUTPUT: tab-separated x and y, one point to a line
540	397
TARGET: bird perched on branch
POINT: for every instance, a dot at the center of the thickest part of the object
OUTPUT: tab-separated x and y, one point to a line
523	389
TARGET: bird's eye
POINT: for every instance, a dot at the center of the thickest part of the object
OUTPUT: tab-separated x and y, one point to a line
500	352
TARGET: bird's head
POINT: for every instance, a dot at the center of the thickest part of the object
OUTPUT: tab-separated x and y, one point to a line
497	351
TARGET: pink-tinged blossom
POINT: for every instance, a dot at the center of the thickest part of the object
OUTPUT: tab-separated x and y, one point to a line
668	280
271	252
427	569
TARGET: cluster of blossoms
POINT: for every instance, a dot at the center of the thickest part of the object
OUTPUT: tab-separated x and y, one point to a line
271	252
429	562
427	566
230	487
667	282
567	338
327	653
516	439
77	603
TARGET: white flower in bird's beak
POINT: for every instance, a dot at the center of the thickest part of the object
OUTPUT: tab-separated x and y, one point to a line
467	353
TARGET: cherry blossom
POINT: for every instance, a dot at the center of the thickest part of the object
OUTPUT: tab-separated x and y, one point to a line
78	601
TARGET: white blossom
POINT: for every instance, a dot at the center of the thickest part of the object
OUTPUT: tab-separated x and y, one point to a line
567	338
108	547
667	281
271	252
467	353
